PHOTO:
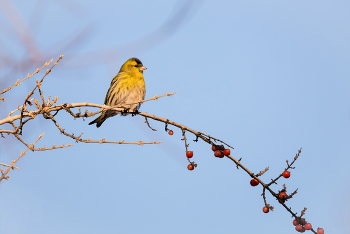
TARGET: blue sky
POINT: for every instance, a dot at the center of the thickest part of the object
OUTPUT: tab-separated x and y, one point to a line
267	77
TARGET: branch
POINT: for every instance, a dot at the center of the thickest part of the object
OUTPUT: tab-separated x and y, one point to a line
28	76
32	92
12	166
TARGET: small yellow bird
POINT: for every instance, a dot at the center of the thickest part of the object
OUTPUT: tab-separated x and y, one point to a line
128	86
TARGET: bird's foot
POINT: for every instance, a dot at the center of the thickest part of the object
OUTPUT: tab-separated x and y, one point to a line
125	111
136	112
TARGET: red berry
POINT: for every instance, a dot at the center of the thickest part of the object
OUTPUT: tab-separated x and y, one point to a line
307	226
282	195
295	222
218	154
266	209
320	231
227	152
254	182
213	148
299	228
190	167
171	132
189	154
286	174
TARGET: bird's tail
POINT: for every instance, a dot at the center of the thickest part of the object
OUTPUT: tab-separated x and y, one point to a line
99	120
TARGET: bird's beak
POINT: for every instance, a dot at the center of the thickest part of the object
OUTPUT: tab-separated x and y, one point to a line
142	68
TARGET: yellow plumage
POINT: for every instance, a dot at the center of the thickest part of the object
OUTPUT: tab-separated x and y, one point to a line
127	87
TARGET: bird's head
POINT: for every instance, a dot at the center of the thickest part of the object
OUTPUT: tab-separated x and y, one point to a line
133	65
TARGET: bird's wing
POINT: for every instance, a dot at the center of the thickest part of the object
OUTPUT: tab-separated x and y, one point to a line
113	83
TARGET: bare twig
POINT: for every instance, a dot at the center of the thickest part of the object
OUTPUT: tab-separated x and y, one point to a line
31	93
5	165
149	125
18	82
262	172
12	166
156	97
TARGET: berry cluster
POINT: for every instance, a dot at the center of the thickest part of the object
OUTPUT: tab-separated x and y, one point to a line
301	225
220	151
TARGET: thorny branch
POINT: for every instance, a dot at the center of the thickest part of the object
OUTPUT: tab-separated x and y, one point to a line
47	108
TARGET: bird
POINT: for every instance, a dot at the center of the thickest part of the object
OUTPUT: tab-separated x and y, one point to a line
128	86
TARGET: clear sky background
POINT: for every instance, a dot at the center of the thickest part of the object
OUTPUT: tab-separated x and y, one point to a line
267	77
